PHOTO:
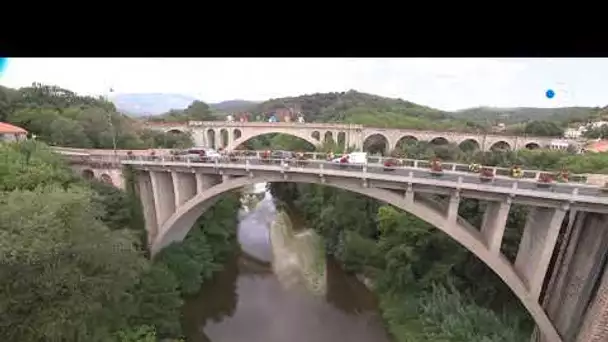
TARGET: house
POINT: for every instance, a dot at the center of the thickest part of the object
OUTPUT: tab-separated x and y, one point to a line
597	146
574	133
10	133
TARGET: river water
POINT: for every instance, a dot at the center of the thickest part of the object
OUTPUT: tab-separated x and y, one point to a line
246	301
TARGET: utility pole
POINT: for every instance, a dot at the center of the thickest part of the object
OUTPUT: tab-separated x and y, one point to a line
113	130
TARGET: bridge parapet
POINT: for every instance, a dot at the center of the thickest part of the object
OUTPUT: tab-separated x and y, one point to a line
253	124
526	191
164	155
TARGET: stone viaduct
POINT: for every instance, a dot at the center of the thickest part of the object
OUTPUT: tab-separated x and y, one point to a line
559	273
230	135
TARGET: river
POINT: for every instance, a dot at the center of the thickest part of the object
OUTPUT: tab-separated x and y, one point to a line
246	301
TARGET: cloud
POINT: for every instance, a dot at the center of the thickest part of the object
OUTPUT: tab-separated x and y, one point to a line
446	83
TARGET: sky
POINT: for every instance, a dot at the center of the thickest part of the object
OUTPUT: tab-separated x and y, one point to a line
443	83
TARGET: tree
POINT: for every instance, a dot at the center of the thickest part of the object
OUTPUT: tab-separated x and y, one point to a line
199	111
543	128
64	275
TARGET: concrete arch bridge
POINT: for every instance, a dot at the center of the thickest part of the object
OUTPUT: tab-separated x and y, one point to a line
230	135
567	226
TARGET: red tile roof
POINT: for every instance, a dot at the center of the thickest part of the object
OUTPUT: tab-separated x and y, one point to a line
598	146
10	129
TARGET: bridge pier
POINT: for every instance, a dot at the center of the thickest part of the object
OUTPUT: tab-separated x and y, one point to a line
537	245
576	298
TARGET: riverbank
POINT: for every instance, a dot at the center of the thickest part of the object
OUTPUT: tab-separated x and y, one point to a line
299	258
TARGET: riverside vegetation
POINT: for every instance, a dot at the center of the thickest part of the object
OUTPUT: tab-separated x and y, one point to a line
74	260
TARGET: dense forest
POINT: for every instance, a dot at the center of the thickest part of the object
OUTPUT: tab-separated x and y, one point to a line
77	269
62	118
523	114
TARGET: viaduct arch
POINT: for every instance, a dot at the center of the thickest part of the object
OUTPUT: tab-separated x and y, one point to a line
176	227
244	138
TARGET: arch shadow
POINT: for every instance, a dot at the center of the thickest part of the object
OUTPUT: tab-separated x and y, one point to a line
106	179
532	145
376	142
88	174
439	141
180	222
175	130
469	145
500	146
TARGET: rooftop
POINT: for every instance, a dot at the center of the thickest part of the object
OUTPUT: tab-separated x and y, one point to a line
6	128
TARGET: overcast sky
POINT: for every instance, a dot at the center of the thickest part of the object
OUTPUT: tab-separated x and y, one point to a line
449	84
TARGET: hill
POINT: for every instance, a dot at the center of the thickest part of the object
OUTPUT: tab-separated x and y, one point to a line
150	103
360	108
523	114
233	105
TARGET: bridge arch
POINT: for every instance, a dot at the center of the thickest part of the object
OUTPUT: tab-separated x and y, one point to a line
341	140
105	178
405	140
532	145
439	141
328	138
175	130
294	133
88	174
316	135
182	220
469	144
210	135
376	142
500	145
236	133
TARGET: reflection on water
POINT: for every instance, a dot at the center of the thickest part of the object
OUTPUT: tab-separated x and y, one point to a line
246	302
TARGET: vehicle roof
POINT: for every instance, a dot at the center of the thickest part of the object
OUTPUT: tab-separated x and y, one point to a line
200	148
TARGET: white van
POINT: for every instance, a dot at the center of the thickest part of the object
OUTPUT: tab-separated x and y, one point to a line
357	158
200	154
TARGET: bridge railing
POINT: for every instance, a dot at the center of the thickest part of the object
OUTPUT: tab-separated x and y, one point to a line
417	163
404	170
315	157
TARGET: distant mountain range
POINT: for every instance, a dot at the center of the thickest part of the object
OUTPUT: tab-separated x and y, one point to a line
158	103
149	104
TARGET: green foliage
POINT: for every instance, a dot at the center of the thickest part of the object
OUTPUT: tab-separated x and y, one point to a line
65	276
69	269
597	133
205	248
489	115
157	301
444	314
543	128
60	117
142	333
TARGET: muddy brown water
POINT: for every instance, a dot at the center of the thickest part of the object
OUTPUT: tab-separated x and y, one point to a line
246	302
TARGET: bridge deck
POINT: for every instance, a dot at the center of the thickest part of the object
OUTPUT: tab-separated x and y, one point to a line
525	191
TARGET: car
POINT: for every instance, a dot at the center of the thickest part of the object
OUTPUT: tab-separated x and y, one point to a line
200	154
286	156
353	159
357	158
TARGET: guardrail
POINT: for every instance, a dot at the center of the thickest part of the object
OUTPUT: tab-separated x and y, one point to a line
466	181
108	155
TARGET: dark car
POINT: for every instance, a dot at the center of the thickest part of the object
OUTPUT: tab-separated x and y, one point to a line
285	155
282	156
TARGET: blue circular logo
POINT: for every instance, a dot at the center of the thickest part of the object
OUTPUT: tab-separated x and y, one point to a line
550	93
3	63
